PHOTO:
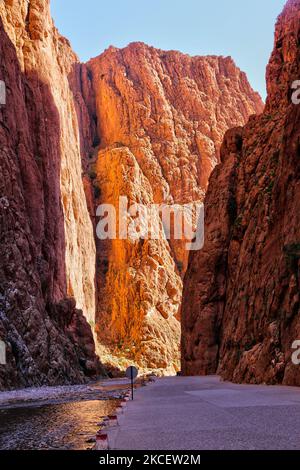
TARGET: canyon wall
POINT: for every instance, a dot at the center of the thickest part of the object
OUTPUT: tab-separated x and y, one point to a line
241	309
137	122
160	119
47	248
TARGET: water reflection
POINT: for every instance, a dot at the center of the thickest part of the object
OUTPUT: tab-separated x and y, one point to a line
60	426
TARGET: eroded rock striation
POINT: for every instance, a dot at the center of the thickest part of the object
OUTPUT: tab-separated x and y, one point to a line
160	119
47	249
241	310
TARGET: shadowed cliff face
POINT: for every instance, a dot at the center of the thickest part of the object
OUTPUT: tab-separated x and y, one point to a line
160	117
47	247
241	309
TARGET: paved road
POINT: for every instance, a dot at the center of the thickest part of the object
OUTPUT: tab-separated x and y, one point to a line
201	413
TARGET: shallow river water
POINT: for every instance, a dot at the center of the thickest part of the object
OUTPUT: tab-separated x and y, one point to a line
53	426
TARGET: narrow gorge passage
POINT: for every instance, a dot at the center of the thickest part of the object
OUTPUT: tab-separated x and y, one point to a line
138	123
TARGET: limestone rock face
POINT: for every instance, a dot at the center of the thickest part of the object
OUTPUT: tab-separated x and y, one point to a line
160	117
47	249
241	310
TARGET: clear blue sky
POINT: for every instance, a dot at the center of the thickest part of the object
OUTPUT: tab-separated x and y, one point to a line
242	29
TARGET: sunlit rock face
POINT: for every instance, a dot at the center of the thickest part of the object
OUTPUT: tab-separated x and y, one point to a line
161	117
47	250
240	311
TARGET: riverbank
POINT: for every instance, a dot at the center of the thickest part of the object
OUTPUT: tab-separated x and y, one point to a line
205	413
57	418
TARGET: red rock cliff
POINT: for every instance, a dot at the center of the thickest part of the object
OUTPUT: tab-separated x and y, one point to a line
161	117
47	250
137	122
241	310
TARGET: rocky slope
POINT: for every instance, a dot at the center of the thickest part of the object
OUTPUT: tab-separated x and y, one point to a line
160	118
47	249
241	310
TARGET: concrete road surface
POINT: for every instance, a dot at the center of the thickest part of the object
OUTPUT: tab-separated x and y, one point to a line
198	413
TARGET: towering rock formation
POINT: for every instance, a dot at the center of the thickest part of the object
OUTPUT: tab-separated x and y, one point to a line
47	249
160	117
138	122
241	309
